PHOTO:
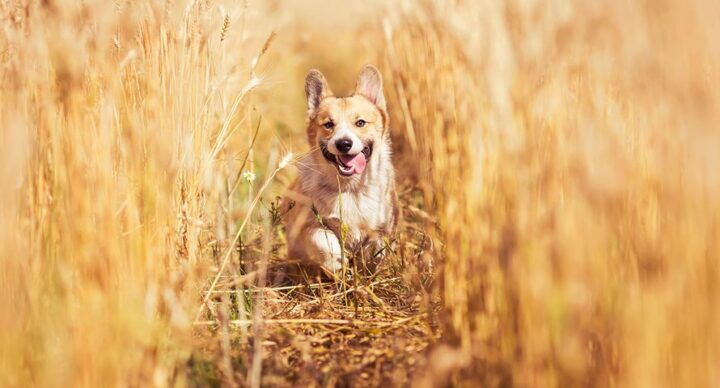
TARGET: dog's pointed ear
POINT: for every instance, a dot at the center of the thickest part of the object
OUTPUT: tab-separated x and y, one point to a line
316	88
370	85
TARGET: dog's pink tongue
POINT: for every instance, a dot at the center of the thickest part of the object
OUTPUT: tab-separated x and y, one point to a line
357	162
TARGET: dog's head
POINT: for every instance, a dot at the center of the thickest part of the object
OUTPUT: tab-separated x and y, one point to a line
346	129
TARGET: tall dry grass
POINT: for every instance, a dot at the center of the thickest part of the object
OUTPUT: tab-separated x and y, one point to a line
117	181
565	152
570	152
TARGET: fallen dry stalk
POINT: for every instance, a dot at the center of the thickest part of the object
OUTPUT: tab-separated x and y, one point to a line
311	321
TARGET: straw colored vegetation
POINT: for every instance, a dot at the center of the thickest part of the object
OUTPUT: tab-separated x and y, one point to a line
558	176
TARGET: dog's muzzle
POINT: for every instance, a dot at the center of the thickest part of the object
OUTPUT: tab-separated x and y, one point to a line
348	165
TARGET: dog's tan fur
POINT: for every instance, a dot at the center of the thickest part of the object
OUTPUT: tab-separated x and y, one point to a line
327	203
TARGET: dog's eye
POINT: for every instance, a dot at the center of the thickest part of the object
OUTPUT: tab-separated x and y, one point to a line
360	123
329	125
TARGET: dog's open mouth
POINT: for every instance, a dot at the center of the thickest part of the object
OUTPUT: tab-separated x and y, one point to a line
348	165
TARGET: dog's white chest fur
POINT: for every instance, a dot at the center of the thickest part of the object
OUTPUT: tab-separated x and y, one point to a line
361	211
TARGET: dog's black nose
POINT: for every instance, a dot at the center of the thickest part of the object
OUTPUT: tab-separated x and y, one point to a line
343	145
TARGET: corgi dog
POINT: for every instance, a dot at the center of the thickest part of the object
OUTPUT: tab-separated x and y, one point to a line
344	197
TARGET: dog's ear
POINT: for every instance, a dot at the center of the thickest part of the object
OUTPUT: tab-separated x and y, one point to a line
316	88
370	85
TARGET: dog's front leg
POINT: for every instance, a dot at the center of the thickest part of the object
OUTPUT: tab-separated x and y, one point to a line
325	247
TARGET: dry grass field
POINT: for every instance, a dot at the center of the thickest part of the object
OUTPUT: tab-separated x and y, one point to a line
559	174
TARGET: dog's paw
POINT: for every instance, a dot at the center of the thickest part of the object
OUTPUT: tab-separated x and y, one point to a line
329	250
333	263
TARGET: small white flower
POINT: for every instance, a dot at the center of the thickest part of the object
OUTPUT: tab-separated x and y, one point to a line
248	176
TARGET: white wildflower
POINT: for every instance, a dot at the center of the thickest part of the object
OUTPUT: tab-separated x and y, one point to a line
248	176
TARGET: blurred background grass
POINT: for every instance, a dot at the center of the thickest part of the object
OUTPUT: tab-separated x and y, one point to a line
566	152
